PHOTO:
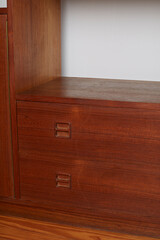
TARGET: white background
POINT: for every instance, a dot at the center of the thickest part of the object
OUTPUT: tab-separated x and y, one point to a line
3	3
111	39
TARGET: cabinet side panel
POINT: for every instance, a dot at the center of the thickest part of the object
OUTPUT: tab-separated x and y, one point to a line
6	176
37	54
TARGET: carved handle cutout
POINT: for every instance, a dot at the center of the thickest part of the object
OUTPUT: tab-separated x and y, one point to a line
63	180
63	126
60	134
63	130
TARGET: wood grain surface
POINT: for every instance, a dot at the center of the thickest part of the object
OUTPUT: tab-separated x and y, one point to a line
112	158
24	229
124	122
93	91
6	178
34	52
11	73
37	42
3	10
116	156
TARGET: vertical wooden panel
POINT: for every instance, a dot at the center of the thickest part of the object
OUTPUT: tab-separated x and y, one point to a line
6	179
13	99
37	45
34	52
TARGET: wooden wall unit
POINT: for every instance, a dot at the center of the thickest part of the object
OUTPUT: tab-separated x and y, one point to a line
85	151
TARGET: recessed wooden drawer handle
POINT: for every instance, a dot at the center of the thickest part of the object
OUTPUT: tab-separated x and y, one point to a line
61	134
63	126
62	185
63	180
63	130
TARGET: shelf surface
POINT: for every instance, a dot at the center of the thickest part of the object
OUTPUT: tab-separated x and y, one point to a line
3	10
94	91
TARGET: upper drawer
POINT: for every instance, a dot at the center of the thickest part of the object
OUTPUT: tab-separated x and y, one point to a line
125	122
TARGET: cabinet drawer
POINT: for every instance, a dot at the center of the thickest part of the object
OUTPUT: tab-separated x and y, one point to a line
125	122
93	186
104	161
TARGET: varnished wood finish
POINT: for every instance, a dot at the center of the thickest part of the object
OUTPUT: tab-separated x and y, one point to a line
36	35
122	122
92	91
6	178
13	99
34	53
24	229
102	171
112	157
113	223
3	10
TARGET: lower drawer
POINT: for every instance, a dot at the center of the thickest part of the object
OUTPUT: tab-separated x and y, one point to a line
98	187
83	174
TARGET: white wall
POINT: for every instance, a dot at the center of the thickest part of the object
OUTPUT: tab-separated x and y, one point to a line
111	39
3	3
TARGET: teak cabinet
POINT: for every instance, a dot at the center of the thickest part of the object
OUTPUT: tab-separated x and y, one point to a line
84	151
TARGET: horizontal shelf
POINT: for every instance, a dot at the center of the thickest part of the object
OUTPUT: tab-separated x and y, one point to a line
95	91
3	10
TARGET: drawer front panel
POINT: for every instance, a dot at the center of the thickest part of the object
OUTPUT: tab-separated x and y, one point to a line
94	147
124	122
92	170
96	186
